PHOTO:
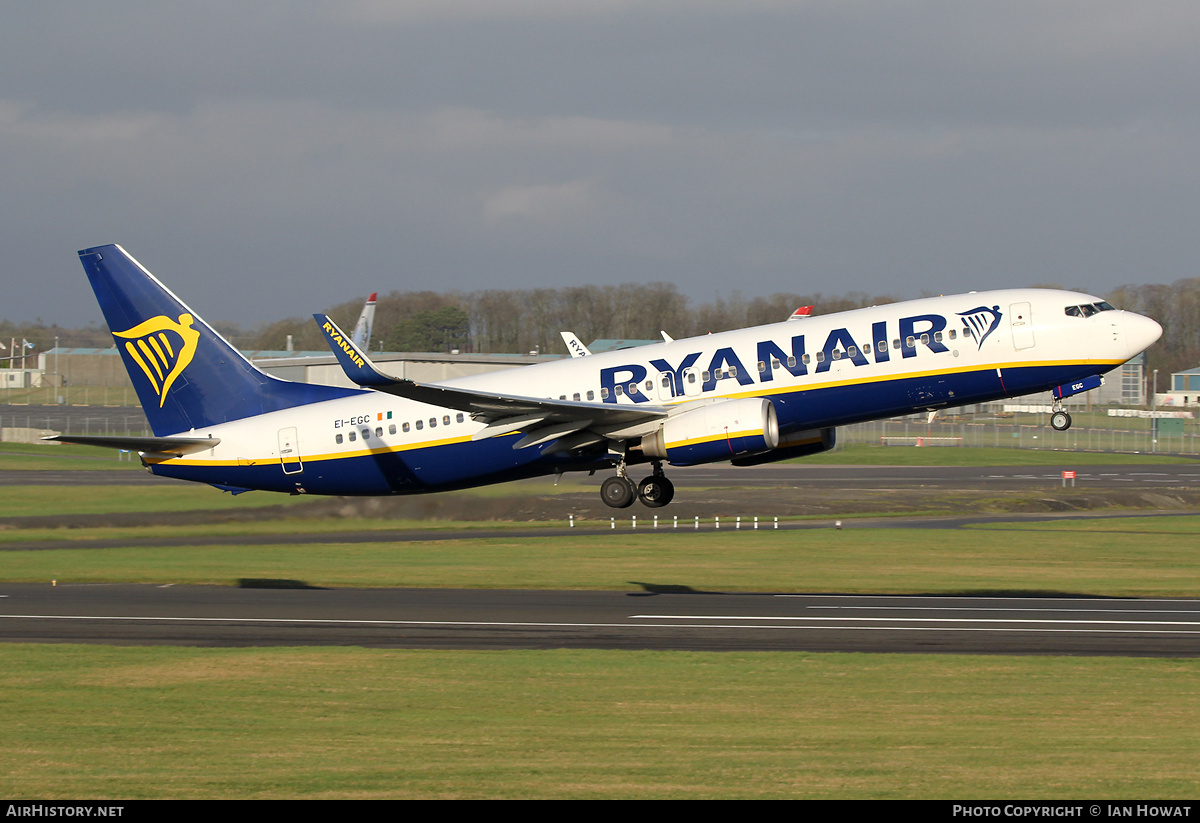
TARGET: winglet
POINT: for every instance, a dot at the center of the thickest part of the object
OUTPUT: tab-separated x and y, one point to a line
574	346
357	366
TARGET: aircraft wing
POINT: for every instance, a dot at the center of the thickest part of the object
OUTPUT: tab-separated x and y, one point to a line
150	445
542	419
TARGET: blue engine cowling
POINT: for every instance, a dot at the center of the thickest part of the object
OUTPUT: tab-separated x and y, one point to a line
726	430
796	444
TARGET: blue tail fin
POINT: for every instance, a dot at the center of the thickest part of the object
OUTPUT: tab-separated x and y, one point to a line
186	375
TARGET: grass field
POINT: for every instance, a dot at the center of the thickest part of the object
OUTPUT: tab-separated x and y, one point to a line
1127	557
125	723
97	722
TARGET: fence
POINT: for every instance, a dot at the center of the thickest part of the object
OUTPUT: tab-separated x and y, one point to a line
78	421
1089	432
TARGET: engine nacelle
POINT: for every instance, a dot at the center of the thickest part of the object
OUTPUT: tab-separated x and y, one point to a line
796	444
719	431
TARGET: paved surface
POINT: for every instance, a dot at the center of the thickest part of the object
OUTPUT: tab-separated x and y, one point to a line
709	621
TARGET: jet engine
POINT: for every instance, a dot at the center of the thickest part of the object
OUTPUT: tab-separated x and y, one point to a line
720	431
796	444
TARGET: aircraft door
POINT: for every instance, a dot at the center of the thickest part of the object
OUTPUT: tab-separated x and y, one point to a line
1021	319
666	385
692	382
289	452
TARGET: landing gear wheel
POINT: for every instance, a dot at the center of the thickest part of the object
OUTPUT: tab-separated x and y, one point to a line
1060	421
618	492
656	491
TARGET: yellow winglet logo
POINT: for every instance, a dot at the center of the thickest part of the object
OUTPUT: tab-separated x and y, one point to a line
162	348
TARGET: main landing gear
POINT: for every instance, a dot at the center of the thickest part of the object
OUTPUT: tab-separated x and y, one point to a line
655	491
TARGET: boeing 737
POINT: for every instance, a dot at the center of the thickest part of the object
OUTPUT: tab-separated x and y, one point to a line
748	396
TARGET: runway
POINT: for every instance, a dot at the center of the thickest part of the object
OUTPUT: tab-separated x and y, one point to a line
659	620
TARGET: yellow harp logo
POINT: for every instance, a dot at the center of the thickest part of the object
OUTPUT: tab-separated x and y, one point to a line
162	348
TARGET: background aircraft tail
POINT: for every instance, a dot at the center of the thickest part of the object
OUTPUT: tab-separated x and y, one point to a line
186	375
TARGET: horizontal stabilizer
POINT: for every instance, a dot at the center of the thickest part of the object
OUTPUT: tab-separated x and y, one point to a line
149	445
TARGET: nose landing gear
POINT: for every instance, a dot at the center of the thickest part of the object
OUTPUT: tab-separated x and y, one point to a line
1060	421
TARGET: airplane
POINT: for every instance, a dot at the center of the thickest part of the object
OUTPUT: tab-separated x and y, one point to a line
748	396
362	330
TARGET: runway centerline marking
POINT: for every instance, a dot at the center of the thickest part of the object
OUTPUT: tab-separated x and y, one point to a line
922	619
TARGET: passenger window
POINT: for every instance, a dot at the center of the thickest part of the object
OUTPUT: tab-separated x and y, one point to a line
620	390
733	371
791	361
649	387
353	437
575	396
337	438
910	342
896	343
433	422
459	417
837	354
704	376
925	339
591	395
866	348
881	345
420	425
391	428
762	367
937	337
952	335
446	420
366	434
604	394
805	359
379	431
405	427
820	357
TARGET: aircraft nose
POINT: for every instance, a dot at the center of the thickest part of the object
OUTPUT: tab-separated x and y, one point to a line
1141	332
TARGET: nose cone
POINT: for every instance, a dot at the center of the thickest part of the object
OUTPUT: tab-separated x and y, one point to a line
1140	332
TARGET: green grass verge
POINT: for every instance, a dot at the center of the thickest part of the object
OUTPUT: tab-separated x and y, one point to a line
1135	557
61	457
128	723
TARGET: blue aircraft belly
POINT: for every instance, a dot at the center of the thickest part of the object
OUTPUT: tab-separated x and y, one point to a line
411	471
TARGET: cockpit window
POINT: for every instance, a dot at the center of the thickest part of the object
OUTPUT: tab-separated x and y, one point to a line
1087	309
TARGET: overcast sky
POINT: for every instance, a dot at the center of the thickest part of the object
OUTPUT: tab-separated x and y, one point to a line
269	159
